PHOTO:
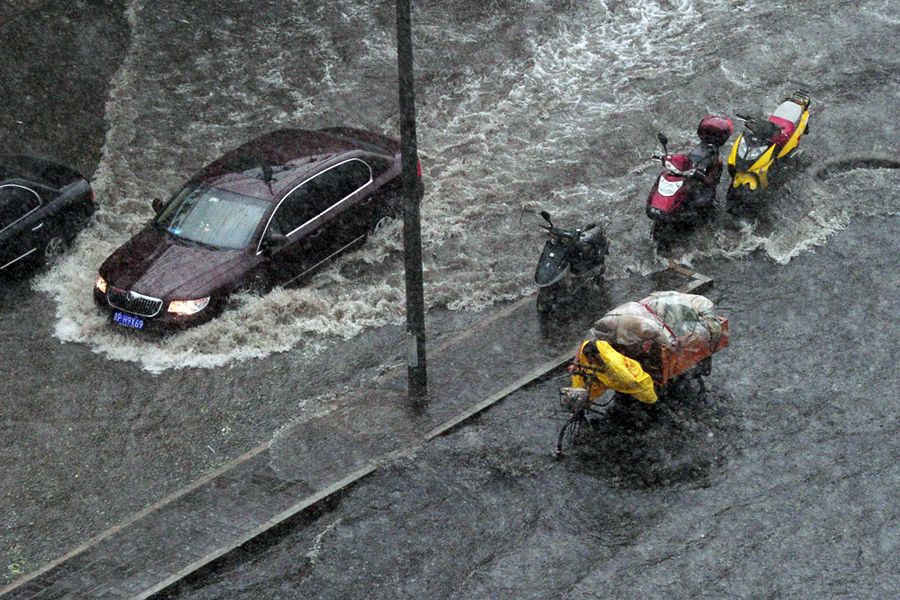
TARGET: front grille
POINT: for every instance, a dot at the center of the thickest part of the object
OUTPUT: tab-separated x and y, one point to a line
136	304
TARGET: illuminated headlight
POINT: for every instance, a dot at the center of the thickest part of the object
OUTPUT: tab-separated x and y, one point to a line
100	284
188	307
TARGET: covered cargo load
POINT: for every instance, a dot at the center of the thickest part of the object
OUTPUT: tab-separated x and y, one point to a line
667	332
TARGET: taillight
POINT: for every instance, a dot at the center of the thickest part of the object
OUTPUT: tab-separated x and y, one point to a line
91	194
419	168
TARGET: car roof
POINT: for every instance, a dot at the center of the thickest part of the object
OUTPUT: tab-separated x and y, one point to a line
36	170
287	153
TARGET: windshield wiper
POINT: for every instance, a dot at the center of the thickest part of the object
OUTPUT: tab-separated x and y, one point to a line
198	243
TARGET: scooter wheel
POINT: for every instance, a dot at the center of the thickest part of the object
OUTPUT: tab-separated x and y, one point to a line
662	234
735	201
547	299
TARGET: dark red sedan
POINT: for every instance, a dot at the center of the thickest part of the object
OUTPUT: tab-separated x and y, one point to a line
270	212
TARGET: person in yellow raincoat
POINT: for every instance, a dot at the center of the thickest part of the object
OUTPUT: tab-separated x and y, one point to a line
611	370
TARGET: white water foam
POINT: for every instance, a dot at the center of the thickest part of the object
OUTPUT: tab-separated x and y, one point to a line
505	119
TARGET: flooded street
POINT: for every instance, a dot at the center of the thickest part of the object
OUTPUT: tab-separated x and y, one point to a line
779	482
560	110
787	466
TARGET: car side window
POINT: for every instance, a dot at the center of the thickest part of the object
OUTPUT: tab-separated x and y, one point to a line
301	205
319	194
351	175
15	202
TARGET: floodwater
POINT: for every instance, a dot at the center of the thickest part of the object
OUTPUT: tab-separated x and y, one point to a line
779	482
552	103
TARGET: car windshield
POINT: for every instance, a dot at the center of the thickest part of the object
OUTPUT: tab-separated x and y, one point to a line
212	217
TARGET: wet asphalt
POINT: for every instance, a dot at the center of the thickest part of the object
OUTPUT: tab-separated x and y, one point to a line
781	482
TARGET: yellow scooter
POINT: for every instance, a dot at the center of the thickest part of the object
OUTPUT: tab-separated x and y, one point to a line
762	144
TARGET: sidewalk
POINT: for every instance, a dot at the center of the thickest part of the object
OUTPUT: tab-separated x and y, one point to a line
311	460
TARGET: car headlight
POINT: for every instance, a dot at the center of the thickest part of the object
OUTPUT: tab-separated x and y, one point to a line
100	284
188	307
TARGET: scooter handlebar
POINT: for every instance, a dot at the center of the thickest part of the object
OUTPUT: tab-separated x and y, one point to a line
571	234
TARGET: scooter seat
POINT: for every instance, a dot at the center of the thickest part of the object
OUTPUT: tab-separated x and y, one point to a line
787	129
789	111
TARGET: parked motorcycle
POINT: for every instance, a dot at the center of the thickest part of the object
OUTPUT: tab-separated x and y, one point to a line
763	143
686	189
572	260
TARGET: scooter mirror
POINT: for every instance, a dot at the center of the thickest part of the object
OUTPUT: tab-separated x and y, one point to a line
546	216
662	139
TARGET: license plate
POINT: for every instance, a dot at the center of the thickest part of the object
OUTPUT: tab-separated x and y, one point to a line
127	320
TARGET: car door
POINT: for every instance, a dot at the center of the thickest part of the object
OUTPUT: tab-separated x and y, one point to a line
319	219
355	212
19	232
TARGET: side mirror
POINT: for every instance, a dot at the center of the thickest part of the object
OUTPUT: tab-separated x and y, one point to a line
273	242
546	216
158	205
662	140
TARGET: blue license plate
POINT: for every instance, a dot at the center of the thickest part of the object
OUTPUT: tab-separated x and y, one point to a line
127	320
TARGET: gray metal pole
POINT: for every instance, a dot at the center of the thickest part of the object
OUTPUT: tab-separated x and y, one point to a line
412	240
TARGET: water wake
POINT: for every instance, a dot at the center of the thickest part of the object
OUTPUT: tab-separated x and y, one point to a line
519	103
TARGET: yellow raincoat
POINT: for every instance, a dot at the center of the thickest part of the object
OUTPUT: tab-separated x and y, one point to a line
621	374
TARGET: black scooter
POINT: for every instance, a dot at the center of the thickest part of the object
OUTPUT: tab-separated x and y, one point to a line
572	260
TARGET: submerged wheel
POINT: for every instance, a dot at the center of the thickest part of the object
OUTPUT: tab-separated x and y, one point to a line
381	223
547	299
56	246
385	212
259	283
662	234
570	432
735	200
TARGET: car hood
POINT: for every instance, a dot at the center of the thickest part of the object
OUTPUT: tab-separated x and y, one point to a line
155	264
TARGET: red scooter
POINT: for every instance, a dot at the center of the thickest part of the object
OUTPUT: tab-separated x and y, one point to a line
686	190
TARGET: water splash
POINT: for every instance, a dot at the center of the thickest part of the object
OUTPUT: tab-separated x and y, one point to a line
518	103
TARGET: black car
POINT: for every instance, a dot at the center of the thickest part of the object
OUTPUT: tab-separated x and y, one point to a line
43	206
268	213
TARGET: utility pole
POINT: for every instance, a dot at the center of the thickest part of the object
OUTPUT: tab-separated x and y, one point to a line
412	239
